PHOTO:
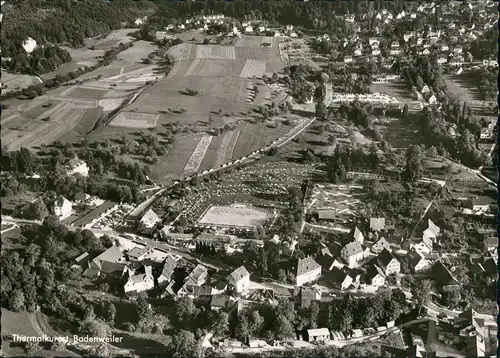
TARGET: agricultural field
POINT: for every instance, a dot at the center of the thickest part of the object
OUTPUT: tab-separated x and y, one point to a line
235	216
14	82
134	120
462	88
84	56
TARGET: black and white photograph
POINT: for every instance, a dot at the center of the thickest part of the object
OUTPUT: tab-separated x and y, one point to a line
249	178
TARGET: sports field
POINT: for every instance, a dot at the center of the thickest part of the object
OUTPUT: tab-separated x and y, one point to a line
235	216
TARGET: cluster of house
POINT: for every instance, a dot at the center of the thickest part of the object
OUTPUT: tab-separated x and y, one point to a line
135	267
467	329
446	41
375	99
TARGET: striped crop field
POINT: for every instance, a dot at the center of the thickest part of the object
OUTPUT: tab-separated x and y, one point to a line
225	151
224	52
203	52
195	67
196	158
253	68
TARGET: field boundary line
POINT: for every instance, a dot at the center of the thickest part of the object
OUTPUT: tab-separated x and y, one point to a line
197	156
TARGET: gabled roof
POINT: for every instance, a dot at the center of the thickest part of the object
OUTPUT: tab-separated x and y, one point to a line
169	266
373	270
377	224
318	332
74	163
199	272
137	252
442	275
238	274
113	254
82	257
353	248
480	201
60	200
338	275
385	258
150	217
414	258
382	243
306	265
433	227
325	214
358	235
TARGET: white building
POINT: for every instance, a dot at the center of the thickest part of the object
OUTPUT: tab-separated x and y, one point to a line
29	45
248	29
388	263
138	283
75	166
240	279
150	219
432	230
352	254
308	270
62	208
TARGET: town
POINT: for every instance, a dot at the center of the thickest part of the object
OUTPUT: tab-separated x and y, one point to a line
230	178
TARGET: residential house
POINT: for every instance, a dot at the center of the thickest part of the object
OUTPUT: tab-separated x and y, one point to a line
82	260
349	18
374	42
425	89
219	287
481	204
289	27
457	61
199	275
417	262
444	277
150	219
239	279
169	266
375	52
424	245
248	29
76	166
326	215
375	276
181	26
471	330
358	236
380	245
293	35
328	262
352	254
432	231
394	51
318	335
199	292
341	278
425	52
174	238
388	263
442	60
62	208
377	224
109	261
458	49
358	52
308	270
136	284
486	133
220	302
139	253
262	28
347	59
445	48
433	100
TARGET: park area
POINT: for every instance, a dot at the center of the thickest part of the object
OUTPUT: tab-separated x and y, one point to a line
239	216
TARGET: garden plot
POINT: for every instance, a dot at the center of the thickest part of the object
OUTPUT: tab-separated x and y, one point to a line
264	54
253	68
41	107
109	105
134	120
250	41
216	68
197	156
235	216
86	93
343	200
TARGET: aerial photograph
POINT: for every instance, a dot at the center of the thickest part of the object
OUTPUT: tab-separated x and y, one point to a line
249	178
